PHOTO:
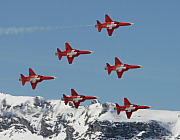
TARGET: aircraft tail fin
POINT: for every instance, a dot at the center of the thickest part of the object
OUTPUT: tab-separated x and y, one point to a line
99	26
23	79
65	99
118	109
109	69
59	53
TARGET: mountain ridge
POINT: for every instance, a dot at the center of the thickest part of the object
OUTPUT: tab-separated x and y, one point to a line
26	117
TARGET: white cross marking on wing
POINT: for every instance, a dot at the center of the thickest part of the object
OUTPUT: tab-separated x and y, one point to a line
34	79
77	99
129	109
110	26
72	53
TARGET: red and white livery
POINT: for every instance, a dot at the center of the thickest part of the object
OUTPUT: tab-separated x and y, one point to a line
129	108
120	68
76	99
70	53
33	78
110	25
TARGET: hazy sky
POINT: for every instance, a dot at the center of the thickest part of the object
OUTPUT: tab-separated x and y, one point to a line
31	31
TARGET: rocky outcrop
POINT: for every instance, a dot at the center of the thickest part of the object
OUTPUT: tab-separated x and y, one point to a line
129	130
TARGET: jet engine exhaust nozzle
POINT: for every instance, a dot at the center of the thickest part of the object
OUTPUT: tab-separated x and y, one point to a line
106	68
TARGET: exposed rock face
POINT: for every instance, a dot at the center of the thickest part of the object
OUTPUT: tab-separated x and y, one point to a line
53	120
94	101
129	130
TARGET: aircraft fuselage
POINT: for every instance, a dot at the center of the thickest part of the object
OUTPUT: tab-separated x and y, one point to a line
124	67
80	98
73	53
113	25
36	78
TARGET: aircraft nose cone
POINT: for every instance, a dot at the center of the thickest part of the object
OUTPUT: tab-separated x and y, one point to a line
132	23
92	51
55	77
141	66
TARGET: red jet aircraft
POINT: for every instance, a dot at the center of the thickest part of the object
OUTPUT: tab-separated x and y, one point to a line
129	108
110	25
120	68
70	53
34	78
76	99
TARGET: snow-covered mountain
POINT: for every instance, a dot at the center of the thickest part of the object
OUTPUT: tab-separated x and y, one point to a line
34	118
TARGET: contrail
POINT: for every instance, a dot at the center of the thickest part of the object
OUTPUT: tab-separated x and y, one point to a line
23	30
9	78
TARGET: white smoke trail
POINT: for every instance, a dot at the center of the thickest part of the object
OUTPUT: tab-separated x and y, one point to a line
23	30
9	78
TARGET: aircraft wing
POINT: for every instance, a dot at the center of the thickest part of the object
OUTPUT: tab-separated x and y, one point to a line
73	92
31	72
68	47
117	61
126	102
107	18
70	59
110	31
76	104
34	85
120	73
128	114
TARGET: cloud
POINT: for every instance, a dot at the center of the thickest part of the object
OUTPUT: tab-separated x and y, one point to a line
23	30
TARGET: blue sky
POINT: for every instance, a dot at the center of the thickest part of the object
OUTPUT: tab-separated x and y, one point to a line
153	41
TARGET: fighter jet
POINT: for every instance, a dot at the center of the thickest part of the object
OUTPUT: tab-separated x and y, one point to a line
70	53
34	78
76	99
120	68
110	25
129	108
